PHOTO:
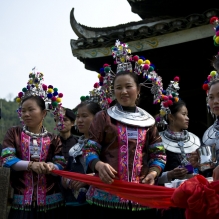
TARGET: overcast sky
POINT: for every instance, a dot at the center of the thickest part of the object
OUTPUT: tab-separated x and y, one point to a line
38	33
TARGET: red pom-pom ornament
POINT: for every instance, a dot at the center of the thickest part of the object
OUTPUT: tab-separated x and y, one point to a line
109	101
170	102
205	87
20	94
96	85
209	77
135	58
176	78
105	65
101	78
44	87
53	98
165	104
213	20
146	67
61	95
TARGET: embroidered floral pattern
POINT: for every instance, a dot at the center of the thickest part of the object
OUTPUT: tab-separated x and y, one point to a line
91	150
41	189
50	199
123	152
8	155
28	176
137	164
59	161
157	155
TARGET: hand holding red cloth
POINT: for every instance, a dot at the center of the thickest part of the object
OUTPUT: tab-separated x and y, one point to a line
199	197
146	195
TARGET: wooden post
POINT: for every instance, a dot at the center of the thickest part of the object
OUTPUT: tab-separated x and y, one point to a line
4	189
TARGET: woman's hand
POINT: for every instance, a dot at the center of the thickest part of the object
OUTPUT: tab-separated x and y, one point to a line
149	179
76	185
177	173
65	182
216	173
51	166
42	167
193	159
106	172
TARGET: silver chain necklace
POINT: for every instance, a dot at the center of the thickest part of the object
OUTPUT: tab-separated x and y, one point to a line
34	135
180	141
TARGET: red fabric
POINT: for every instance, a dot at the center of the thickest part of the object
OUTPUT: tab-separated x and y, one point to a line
199	197
147	195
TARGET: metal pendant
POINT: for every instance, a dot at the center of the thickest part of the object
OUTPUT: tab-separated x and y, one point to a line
35	149
184	162
217	135
181	143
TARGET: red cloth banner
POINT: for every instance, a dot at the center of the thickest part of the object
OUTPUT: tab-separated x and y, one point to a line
199	197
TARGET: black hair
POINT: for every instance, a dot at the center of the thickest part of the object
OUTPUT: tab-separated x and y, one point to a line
40	102
213	83
92	107
70	114
175	108
131	74
215	62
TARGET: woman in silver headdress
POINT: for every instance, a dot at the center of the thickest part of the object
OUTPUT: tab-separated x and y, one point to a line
32	153
178	144
212	87
211	135
123	144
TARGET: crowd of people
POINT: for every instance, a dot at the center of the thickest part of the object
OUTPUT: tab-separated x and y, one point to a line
116	140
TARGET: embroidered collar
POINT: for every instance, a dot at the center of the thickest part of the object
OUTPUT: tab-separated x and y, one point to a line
140	118
177	136
211	135
175	142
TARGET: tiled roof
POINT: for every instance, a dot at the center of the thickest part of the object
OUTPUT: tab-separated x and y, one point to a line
103	37
171	8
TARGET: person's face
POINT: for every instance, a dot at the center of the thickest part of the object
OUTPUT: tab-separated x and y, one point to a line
83	119
125	90
213	99
180	120
67	125
32	114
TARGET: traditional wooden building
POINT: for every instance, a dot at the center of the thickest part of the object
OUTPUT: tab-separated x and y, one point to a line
175	36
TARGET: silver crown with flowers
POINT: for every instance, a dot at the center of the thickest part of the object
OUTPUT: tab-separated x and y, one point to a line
123	59
49	94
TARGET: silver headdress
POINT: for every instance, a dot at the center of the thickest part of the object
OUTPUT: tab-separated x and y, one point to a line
166	99
124	61
49	94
